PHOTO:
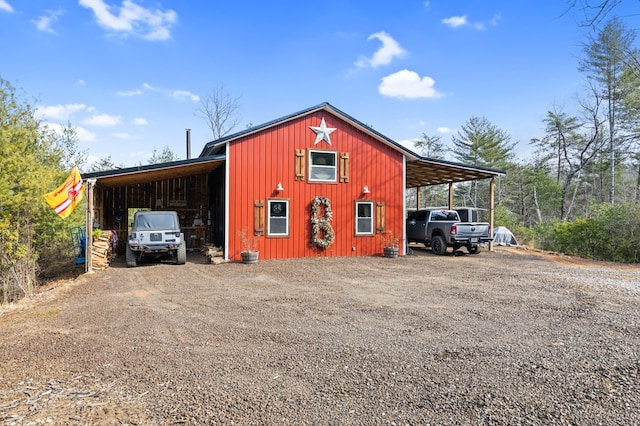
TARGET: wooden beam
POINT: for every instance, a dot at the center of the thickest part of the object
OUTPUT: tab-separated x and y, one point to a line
88	263
450	195
492	192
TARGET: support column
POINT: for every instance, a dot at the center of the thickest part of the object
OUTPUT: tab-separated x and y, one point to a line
450	195
492	192
418	198
88	263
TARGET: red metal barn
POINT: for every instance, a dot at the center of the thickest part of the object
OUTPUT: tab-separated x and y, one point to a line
314	183
317	167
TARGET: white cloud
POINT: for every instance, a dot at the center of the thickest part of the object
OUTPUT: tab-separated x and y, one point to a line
80	83
176	94
390	49
185	94
83	134
58	112
5	6
103	120
455	21
409	144
132	19
44	22
139	121
129	92
125	136
139	154
444	130
407	84
462	21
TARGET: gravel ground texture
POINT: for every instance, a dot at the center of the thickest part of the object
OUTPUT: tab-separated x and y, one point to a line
510	337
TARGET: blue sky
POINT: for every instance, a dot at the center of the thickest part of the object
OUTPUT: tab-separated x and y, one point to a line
130	74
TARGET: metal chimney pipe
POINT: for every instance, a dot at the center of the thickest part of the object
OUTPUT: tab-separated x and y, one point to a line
188	144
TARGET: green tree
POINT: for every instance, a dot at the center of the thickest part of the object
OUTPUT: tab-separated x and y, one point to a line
430	146
558	126
63	147
164	156
531	195
480	143
578	143
31	164
102	164
605	64
433	148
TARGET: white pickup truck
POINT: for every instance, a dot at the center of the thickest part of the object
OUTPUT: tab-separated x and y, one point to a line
439	229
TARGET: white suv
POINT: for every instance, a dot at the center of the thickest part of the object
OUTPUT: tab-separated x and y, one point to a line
156	234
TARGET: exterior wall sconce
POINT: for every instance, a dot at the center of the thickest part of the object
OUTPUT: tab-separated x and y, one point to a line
365	190
279	187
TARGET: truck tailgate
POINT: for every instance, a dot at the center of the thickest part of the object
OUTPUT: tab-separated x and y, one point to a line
472	230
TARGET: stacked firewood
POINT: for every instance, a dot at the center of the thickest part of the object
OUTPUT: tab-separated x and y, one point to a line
102	252
213	253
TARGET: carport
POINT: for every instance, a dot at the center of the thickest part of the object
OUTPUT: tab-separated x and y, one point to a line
192	187
421	171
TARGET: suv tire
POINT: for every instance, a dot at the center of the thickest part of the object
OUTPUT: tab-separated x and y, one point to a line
181	253
132	262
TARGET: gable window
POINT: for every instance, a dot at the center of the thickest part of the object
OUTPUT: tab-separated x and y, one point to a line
323	166
364	217
278	218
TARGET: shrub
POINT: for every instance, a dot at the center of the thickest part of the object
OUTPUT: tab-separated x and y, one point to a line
613	233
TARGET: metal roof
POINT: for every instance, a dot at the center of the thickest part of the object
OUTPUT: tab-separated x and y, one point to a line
154	172
426	172
421	171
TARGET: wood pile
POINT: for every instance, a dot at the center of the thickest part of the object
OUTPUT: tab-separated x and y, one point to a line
215	254
102	253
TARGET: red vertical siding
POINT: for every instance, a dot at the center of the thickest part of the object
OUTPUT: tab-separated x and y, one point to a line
258	162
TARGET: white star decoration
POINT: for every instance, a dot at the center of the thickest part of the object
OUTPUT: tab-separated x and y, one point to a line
322	132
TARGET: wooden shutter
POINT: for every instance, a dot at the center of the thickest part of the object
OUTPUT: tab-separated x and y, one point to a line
380	217
299	164
258	217
344	167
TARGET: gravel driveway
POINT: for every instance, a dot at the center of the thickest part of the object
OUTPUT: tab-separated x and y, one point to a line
505	337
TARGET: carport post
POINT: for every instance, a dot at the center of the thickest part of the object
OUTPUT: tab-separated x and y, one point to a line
492	192
450	195
89	227
418	198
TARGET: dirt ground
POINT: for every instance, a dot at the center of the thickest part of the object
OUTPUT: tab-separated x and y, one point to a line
506	337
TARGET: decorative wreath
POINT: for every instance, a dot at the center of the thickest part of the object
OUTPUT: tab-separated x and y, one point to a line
321	223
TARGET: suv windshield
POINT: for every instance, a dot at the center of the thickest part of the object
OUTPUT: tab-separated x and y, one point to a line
154	221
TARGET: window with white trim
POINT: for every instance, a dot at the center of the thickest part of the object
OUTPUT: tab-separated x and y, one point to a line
323	166
278	218
364	217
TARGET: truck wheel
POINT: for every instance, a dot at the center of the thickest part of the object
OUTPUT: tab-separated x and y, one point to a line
438	246
132	262
473	249
181	254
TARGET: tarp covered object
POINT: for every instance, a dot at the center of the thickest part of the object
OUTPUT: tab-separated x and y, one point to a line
503	237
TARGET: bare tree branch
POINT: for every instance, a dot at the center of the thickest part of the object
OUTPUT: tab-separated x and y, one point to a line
220	110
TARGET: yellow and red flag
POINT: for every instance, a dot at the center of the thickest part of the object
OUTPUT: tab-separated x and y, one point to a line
65	197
